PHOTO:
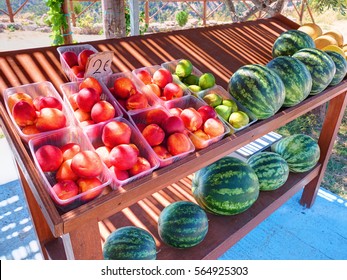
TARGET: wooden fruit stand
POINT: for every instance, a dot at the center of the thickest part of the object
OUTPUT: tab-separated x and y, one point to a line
79	233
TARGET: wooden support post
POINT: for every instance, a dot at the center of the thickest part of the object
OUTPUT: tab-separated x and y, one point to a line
113	18
134	17
147	12
326	142
204	13
72	12
67	33
10	11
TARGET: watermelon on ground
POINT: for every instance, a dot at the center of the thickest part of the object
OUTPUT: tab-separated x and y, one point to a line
300	151
259	89
272	170
295	76
228	186
130	243
291	41
341	67
182	224
320	65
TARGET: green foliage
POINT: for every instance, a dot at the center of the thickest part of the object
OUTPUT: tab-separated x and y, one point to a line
335	5
58	19
77	8
11	28
182	18
143	27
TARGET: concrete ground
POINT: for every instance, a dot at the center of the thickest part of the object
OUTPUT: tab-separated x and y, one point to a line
291	233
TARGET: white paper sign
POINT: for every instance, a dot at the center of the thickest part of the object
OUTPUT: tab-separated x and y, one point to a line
99	64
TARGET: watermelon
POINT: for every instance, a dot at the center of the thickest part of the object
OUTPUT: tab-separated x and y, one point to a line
182	224
228	186
321	67
272	170
295	76
130	243
341	67
259	89
300	151
291	41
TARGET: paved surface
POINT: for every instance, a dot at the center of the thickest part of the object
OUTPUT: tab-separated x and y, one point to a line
292	232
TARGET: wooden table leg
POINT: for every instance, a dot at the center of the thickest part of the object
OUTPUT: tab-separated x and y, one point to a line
326	142
84	243
42	229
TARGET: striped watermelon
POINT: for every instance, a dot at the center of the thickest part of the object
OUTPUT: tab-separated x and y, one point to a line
291	41
182	224
321	67
341	67
228	186
272	170
295	76
130	243
299	150
259	89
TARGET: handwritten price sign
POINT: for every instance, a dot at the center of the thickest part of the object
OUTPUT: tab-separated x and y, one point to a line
99	64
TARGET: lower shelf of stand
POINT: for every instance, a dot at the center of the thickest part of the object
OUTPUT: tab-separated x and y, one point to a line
224	231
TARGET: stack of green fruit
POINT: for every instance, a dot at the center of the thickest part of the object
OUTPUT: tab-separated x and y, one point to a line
195	83
227	109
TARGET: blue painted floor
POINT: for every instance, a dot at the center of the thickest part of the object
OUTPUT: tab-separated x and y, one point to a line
292	232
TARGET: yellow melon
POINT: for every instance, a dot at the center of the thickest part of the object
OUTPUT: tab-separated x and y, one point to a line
344	48
336	35
334	49
324	41
312	29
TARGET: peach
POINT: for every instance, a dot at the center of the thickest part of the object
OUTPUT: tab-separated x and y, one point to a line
91	82
65	172
86	123
47	102
135	148
69	150
50	119
144	76
213	127
120	174
83	57
78	71
87	164
82	116
162	77
199	139
140	166
157	116
72	99
104	154
24	113
49	157
141	126
30	129
123	87
65	189
153	134
152	88
115	133
123	157
173	124
86	99
161	152
206	112
136	101
102	111
89	188
172	90
18	96
70	58
191	118
178	143
176	111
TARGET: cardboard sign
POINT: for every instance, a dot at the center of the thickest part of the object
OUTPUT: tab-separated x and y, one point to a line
99	64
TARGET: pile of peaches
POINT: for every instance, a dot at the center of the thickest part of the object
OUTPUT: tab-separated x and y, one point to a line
161	84
36	114
77	62
76	171
88	105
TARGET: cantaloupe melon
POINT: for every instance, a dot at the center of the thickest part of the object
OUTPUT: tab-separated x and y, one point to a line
324	41
336	35
312	29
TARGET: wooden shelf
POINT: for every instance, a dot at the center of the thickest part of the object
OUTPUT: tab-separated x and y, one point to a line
219	49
